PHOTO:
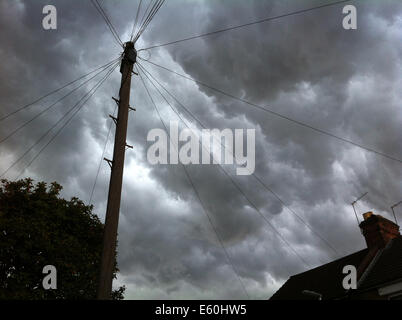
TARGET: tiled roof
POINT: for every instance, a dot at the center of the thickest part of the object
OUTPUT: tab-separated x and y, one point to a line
327	279
388	267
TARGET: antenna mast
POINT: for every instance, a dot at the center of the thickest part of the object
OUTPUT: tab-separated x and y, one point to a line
353	205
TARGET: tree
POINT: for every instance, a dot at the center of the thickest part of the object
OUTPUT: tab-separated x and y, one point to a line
38	228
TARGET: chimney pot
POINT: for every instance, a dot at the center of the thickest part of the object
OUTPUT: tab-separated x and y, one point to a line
367	215
377	230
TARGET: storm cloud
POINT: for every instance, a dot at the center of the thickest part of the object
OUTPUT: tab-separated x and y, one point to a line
305	66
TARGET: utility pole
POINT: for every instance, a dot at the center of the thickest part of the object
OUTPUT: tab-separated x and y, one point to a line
116	177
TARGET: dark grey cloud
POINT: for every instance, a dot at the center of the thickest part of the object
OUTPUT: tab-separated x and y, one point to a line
306	67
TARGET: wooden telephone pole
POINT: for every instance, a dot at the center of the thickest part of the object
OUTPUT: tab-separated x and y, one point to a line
116	177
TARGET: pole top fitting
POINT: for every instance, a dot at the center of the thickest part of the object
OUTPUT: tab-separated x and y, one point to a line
130	53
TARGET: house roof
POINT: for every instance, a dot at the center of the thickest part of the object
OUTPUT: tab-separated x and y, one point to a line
327	279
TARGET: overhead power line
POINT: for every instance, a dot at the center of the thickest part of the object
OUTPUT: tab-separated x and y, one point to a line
136	20
101	159
155	8
204	209
247	24
145	13
327	243
149	18
144	16
43	136
83	100
54	91
53	104
109	24
234	183
277	114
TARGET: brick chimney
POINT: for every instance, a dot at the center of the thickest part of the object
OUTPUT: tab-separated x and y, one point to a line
377	230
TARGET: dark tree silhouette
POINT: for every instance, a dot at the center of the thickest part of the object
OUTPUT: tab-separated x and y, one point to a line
39	228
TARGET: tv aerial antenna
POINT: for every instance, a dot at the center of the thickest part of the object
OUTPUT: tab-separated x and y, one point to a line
353	205
393	212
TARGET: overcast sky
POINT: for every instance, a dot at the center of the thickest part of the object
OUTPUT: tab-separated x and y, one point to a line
305	66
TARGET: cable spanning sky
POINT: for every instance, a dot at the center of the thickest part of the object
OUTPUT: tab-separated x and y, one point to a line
304	66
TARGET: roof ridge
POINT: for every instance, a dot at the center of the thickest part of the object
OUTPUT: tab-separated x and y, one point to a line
370	266
328	263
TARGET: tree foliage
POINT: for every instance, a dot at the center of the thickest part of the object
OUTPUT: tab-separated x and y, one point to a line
38	228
